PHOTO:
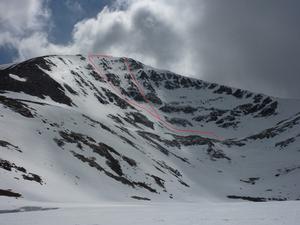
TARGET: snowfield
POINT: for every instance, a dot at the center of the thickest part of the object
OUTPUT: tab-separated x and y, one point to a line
270	213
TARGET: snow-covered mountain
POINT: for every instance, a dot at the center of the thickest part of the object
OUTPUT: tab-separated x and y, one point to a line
97	128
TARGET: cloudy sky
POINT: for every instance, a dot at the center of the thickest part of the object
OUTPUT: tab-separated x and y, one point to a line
253	45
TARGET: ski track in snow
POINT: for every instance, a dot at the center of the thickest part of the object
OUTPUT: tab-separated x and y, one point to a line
153	112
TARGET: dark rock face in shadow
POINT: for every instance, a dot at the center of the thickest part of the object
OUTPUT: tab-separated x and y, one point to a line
37	83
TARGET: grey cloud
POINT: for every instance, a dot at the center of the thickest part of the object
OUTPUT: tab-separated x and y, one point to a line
139	31
156	38
251	44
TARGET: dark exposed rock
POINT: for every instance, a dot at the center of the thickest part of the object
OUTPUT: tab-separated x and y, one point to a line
212	151
133	64
33	177
214	115
104	63
171	85
154	143
113	98
249	95
140	198
285	143
179	121
215	153
250	180
17	106
193	140
268	133
173	171
9	193
168	143
38	83
276	130
223	89
86	84
146	83
152	97
105	151
70	89
238	93
61	59
232	142
145	186
92	163
287	170
212	86
81	57
183	183
251	199
135	94
95	122
153	139
269	110
59	142
156	77
128	142
186	82
142	75
130	161
26	209
170	108
73	137
257	98
97	93
159	181
246	108
115	80
124	129
229	124
255	199
115	118
101	149
136	117
9	145
6	165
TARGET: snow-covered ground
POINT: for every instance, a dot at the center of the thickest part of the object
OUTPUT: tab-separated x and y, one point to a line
270	213
103	154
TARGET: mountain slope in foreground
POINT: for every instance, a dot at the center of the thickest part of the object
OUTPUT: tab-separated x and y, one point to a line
98	128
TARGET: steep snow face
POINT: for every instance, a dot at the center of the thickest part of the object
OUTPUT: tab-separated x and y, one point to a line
90	129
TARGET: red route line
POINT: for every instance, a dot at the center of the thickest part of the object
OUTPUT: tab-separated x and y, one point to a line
153	112
100	73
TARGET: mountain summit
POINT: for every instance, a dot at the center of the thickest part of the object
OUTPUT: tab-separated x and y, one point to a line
99	128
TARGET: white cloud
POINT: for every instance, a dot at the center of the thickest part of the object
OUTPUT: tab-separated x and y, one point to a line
19	17
21	22
153	31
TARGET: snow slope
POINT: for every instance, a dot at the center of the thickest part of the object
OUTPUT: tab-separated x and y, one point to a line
74	130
